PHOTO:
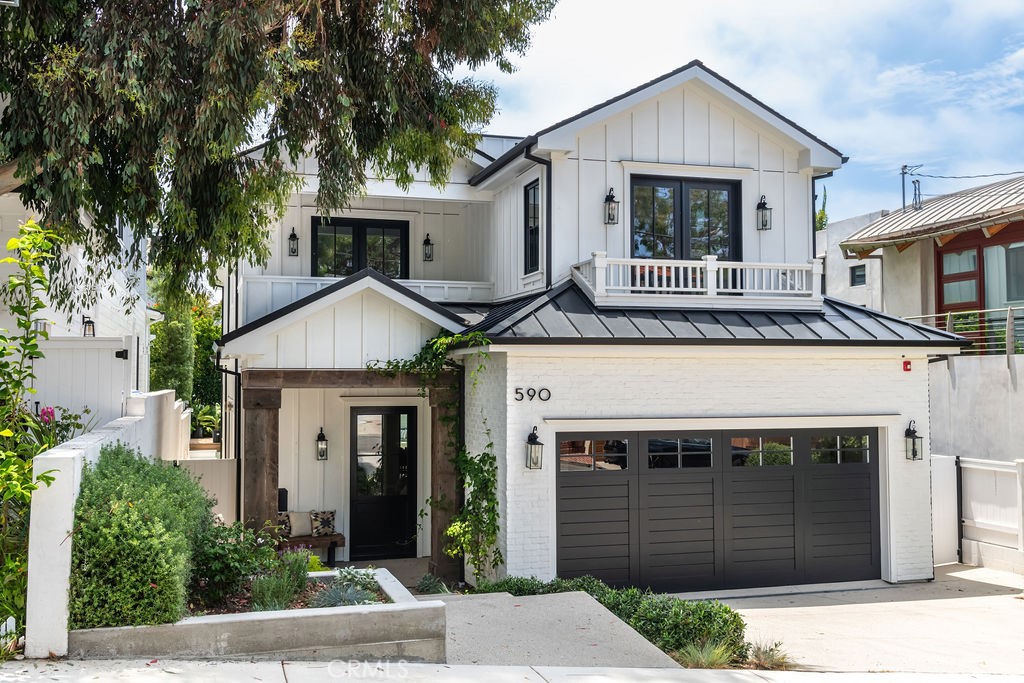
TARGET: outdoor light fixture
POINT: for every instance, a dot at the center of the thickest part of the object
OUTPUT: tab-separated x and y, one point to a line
764	215
321	445
915	443
534	451
611	208
88	327
428	249
293	244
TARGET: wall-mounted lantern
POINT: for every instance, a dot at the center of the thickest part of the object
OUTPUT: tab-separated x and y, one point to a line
321	445
428	249
88	327
764	215
293	244
611	208
534	451
915	443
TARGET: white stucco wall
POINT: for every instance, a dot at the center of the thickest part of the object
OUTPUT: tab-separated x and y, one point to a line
837	266
627	389
909	279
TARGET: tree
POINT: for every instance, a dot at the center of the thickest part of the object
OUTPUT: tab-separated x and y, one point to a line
206	383
181	117
820	216
172	354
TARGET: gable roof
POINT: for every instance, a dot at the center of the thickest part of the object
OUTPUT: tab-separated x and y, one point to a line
693	69
975	208
565	315
365	279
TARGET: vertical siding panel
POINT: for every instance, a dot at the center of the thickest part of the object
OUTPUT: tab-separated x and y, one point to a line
336	469
671	142
287	454
376	340
458	255
645	132
619	139
432	223
291	346
746	146
773	242
348	347
320	328
696	125
564	213
591	142
592	228
722	138
771	156
798	218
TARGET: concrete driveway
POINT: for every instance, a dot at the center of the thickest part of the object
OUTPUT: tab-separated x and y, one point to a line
969	620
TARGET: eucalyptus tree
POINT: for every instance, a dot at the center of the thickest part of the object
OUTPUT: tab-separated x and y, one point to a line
181	118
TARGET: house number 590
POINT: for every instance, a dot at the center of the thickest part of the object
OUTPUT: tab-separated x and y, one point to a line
529	394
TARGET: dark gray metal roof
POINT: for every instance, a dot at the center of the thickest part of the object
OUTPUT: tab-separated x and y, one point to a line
566	315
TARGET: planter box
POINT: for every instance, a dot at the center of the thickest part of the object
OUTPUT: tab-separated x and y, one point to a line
406	629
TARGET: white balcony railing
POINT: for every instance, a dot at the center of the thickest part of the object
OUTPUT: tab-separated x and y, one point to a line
706	283
263	294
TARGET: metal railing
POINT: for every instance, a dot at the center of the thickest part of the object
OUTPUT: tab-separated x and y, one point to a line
993	331
707	277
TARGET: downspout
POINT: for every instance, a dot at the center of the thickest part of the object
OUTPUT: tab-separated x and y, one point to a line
237	429
959	512
546	163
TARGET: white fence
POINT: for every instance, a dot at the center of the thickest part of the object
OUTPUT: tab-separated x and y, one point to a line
991	510
153	425
76	372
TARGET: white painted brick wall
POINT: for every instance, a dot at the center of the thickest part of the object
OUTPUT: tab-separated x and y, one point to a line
866	390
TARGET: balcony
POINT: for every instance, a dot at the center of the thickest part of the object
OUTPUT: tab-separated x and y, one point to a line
708	283
263	294
992	331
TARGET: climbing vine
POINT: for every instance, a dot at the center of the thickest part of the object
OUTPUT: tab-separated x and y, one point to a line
473	532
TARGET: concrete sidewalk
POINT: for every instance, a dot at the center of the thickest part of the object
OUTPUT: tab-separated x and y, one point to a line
969	620
170	671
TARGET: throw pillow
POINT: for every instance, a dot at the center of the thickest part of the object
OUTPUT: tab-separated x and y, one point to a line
300	524
323	522
284	522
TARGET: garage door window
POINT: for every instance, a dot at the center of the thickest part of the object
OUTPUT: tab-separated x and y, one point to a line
840	449
589	455
678	453
762	451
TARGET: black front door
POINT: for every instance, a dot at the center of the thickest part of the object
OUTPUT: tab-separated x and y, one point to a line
383	483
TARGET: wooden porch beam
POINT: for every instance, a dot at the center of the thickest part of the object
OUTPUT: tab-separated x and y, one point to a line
993	229
336	379
903	247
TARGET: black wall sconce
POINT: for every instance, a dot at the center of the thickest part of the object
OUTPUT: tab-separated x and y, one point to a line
321	445
611	208
534	451
764	215
293	244
915	443
88	327
428	249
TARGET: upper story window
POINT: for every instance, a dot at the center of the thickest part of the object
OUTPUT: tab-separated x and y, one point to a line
531	228
858	275
685	219
343	246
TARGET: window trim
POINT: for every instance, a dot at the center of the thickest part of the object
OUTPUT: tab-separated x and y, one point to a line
527	228
682	207
862	269
359	227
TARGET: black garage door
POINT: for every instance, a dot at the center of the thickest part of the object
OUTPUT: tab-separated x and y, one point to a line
678	511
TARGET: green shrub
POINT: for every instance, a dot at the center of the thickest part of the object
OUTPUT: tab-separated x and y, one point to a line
431	585
136	525
294	565
709	655
275	590
315	565
360	578
516	585
769	656
226	557
127	569
340	595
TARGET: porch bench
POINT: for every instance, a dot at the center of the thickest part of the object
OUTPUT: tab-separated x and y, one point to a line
331	543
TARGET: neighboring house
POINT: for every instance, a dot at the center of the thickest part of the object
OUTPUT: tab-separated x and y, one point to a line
857	282
97	355
709	419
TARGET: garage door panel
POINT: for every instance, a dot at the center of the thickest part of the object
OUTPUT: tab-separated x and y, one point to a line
590	490
858	550
597	563
705	520
839	479
588	528
754	521
840	528
783	551
773	531
759	509
860	505
662	547
686	568
594	516
759	480
864	516
685	517
595	503
785	496
593	551
767	542
596	538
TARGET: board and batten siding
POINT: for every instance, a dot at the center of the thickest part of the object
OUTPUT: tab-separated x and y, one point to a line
508	246
460	232
325	484
602	389
349	334
687	132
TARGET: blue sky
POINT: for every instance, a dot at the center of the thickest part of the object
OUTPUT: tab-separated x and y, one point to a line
932	82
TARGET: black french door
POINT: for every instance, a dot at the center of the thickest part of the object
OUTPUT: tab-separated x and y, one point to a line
684	219
383	483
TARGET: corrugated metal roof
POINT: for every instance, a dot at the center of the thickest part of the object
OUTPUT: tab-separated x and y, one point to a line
970	209
566	315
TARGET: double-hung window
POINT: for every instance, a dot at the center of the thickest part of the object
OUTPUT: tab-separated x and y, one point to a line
685	219
531	228
343	246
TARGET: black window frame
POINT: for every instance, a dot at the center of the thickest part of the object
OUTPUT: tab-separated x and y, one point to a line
858	275
531	232
681	209
359	226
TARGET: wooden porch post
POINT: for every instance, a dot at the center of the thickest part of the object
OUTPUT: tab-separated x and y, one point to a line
261	408
444	482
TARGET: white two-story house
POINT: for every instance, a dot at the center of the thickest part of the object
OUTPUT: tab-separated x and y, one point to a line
643	273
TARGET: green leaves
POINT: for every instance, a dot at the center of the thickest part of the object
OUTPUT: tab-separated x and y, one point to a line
137	113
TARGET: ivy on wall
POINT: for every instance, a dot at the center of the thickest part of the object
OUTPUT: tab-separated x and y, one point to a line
473	531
